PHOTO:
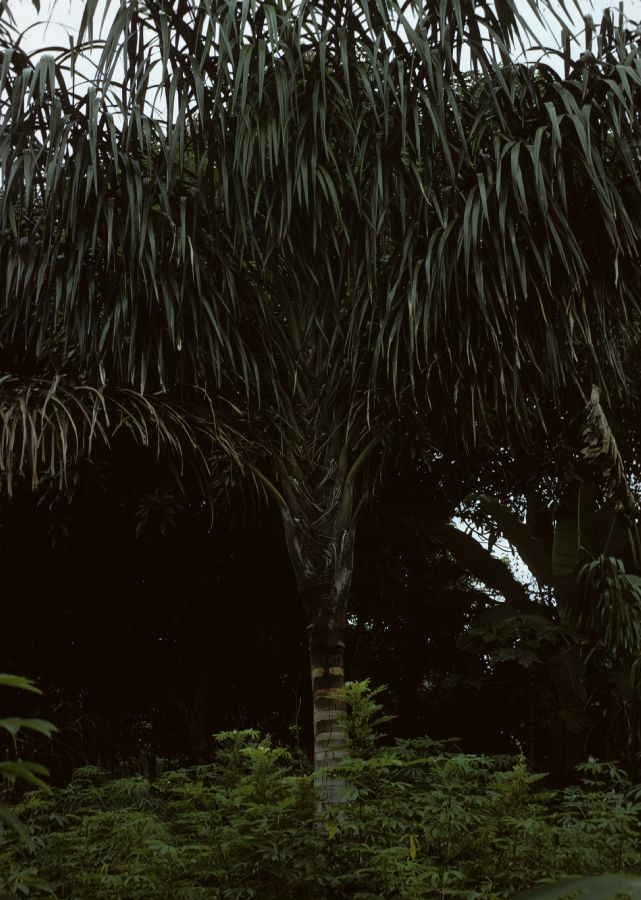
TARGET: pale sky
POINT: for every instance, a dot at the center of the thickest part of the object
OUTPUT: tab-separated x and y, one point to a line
66	15
58	19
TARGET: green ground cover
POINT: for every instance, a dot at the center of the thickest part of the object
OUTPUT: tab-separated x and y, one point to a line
422	822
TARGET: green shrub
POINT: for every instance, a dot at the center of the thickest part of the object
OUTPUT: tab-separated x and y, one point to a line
421	822
19	876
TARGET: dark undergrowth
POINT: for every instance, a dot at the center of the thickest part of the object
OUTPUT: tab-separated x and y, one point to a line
421	822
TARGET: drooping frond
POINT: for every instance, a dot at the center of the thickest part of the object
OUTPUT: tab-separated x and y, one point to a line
316	209
606	604
600	448
47	425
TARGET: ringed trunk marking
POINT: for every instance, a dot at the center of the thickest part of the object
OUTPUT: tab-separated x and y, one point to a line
330	731
319	531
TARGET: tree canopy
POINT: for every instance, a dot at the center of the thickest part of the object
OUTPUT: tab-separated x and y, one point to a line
321	205
302	233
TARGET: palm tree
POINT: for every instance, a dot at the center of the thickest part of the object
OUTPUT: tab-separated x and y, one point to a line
341	222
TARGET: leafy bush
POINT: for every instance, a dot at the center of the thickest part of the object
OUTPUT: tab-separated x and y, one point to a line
421	822
22	878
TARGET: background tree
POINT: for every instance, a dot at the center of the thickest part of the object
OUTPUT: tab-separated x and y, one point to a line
321	219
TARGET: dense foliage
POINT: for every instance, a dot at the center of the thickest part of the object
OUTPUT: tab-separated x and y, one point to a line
357	256
299	235
424	822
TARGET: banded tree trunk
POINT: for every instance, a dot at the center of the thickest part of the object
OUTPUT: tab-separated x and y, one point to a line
325	612
320	539
319	519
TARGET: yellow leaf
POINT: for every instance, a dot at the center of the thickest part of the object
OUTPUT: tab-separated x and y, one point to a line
332	828
413	846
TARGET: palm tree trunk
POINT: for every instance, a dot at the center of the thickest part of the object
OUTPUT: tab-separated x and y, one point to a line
326	629
330	731
321	548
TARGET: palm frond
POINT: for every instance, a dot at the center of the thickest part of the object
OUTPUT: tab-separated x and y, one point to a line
49	424
606	605
600	448
313	208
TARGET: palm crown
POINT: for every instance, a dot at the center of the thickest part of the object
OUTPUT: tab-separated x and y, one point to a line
329	207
